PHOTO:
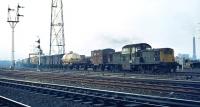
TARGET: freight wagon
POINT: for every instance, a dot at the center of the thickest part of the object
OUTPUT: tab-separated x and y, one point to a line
134	57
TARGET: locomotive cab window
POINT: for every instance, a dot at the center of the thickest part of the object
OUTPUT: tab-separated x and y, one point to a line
148	48
126	51
133	50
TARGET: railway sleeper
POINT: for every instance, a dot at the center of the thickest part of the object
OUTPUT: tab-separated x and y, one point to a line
101	99
78	99
87	100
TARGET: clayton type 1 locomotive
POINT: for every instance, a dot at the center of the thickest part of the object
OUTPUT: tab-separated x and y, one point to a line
134	57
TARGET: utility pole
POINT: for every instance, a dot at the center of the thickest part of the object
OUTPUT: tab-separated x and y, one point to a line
57	38
13	23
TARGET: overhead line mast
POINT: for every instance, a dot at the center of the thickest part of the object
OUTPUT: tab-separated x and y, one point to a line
57	38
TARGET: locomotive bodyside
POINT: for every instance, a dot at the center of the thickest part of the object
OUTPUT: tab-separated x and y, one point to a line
154	60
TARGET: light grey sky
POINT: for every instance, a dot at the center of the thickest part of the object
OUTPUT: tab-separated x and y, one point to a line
97	24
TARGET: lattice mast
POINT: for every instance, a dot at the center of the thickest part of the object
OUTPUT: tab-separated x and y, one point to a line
57	38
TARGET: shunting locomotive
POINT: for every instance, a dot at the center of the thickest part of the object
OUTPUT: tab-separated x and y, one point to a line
139	57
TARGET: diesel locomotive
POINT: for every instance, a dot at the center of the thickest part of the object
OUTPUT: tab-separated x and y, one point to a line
134	57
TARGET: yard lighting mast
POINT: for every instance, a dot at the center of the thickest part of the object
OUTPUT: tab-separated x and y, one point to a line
57	39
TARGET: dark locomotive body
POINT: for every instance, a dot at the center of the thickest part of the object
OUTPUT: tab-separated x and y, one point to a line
155	60
135	58
142	58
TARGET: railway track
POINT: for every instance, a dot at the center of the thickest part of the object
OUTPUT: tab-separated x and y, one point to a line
188	73
176	87
6	102
157	86
96	97
178	73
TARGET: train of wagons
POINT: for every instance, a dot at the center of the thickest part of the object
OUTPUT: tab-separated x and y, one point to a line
139	57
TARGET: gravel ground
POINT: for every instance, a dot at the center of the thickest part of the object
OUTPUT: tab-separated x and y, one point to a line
36	100
120	89
110	75
107	74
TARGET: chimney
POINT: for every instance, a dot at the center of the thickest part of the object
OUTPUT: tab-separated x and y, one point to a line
194	49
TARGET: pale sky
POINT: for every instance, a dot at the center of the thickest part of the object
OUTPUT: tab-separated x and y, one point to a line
97	24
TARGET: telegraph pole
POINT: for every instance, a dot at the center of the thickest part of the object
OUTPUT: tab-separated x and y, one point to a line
13	24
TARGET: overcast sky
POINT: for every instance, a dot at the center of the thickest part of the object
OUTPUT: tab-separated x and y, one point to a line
97	24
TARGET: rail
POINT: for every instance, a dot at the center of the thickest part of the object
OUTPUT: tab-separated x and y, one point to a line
176	87
99	97
6	102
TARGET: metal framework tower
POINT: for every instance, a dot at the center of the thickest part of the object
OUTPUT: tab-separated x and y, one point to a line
57	38
13	22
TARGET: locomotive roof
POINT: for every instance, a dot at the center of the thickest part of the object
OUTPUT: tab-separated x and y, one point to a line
107	49
163	49
158	49
137	45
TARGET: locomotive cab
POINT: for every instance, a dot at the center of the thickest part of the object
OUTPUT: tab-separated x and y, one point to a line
129	54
